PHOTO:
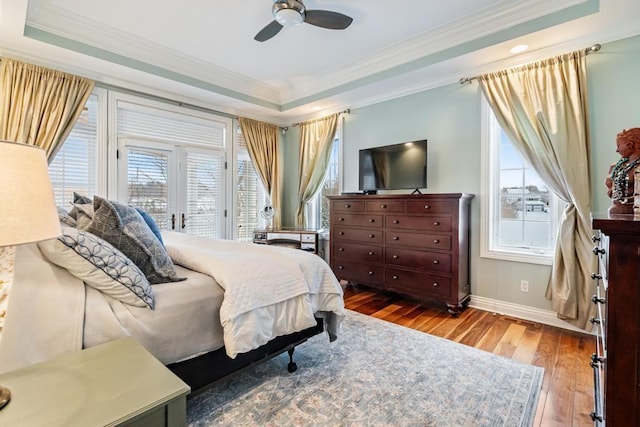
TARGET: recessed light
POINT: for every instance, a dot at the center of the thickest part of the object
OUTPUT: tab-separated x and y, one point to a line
519	48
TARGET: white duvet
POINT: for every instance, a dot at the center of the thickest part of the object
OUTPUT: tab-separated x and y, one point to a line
268	291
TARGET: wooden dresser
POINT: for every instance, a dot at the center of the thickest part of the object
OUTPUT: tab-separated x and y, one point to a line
617	361
416	245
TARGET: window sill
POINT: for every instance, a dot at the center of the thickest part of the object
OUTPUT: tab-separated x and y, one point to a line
527	258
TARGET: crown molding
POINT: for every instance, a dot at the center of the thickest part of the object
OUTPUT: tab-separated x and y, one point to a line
44	16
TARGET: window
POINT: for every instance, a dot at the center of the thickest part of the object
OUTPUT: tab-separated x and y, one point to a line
75	165
251	197
519	213
318	208
171	162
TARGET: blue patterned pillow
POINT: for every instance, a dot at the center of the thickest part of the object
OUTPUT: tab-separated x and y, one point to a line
124	228
151	223
99	265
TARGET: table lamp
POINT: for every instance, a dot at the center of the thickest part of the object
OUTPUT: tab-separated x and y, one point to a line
27	209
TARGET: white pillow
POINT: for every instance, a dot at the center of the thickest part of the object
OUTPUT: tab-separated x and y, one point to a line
100	265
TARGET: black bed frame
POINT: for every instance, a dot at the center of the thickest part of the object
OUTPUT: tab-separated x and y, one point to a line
206	369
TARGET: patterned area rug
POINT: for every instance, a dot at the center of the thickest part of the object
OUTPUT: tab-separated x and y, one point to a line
376	374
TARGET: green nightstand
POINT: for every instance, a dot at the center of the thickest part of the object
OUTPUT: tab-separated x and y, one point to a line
111	384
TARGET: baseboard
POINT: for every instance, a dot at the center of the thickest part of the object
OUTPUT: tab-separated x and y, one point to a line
524	312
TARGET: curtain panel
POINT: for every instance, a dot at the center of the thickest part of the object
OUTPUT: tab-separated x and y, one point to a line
316	141
542	107
262	145
39	106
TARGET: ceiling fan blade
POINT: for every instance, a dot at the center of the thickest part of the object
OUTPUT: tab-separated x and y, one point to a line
269	31
327	19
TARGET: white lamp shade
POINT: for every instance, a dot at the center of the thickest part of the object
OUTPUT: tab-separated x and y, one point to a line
28	211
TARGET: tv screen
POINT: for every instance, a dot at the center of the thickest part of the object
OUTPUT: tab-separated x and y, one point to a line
394	167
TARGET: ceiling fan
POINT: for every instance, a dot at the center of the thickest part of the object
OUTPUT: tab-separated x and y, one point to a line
293	12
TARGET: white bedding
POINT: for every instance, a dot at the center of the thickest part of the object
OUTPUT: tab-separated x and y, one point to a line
51	312
268	291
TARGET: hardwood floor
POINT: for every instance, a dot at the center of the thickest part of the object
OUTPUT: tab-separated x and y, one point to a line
566	398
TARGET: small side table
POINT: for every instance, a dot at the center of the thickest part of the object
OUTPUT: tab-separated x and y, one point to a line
112	384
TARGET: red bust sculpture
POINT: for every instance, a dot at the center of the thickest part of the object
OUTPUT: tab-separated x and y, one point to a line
620	181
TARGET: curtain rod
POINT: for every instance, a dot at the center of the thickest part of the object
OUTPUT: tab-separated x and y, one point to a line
347	111
591	49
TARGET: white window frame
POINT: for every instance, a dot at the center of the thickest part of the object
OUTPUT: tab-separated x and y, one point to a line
489	203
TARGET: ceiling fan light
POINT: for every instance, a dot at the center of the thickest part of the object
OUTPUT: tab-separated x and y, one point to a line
288	17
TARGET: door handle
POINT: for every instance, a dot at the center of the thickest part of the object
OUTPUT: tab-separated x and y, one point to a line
184	222
173	221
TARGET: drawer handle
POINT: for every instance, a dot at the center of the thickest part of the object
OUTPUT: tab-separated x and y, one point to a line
370	253
372	220
371	273
340	249
340	267
395	257
436	284
435	261
436	223
436	241
383	206
594	321
395	277
340	219
598	251
396	238
595	276
596	300
341	233
427	206
395	221
371	236
595	239
347	206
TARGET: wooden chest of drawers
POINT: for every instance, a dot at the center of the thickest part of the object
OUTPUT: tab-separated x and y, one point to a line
416	245
616	362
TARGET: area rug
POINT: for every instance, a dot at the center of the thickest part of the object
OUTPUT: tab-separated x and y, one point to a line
376	374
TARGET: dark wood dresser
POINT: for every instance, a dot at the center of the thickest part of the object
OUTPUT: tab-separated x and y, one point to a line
617	361
417	245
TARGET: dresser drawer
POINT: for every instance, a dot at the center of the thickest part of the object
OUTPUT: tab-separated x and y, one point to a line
359	220
393	206
347	206
431	207
424	223
417	240
357	234
357	252
421	261
417	284
358	272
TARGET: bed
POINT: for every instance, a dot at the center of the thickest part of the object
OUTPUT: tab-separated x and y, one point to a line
226	305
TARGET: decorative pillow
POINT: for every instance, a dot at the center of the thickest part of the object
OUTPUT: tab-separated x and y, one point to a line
99	265
151	223
124	228
78	199
84	214
65	218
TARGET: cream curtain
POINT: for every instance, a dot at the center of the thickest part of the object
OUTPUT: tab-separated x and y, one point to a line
543	109
316	140
39	106
262	144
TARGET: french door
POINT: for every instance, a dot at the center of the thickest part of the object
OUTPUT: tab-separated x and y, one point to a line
182	187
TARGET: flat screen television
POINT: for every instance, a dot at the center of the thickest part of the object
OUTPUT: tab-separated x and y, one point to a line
394	167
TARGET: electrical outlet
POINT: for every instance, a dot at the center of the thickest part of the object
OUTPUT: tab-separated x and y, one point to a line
524	286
